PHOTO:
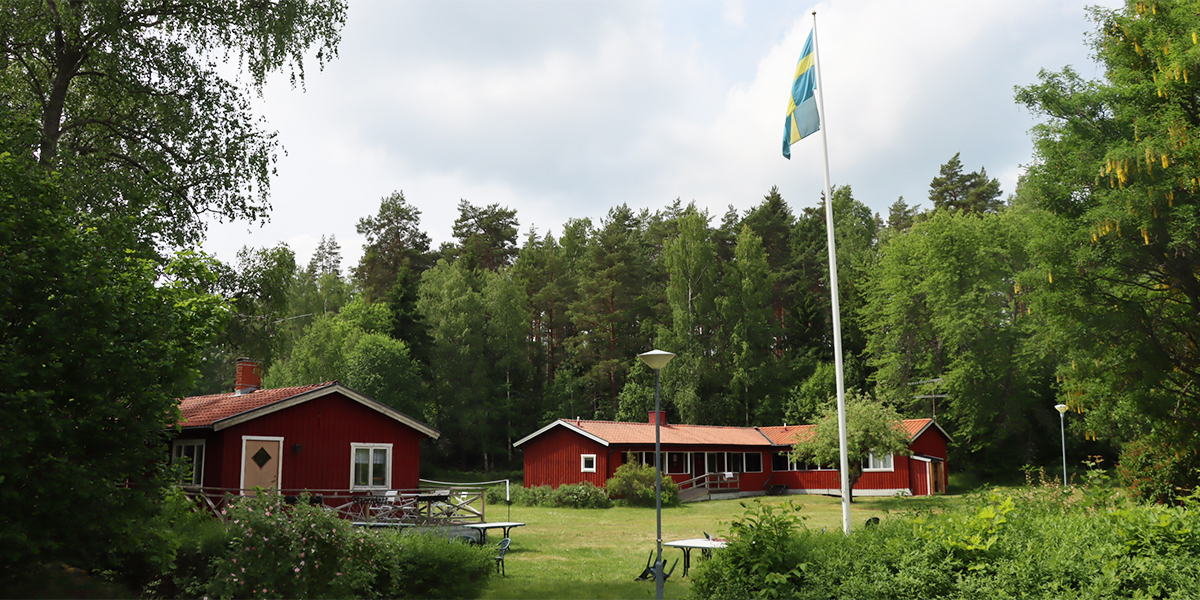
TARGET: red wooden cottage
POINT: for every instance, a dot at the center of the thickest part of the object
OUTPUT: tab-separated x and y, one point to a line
921	473
321	438
756	459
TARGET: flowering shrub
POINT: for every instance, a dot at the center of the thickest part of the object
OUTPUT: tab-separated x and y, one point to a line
278	550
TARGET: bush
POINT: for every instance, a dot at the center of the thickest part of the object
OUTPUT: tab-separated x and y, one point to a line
1039	542
277	550
1155	472
412	565
634	484
580	495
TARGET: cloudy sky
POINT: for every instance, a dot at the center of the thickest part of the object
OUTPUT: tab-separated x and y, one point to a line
565	109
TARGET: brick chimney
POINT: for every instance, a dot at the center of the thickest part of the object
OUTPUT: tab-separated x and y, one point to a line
661	415
249	377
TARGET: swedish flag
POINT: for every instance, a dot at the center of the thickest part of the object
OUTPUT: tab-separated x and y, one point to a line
802	119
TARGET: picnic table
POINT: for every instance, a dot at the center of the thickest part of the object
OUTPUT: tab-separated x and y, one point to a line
705	545
483	527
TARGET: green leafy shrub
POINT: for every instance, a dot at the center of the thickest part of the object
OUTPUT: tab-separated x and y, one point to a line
412	565
634	484
277	550
762	558
580	495
577	495
532	496
1156	472
1036	542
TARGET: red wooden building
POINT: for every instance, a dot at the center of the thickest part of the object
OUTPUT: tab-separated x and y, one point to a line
322	437
755	459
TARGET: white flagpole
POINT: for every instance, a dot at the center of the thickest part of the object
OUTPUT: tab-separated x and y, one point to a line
833	287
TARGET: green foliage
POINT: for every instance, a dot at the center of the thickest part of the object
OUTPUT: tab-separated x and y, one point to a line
350	347
871	427
1155	471
423	566
147	134
281	550
278	550
96	345
951	190
395	246
580	495
762	560
635	483
1042	542
941	303
1114	180
576	495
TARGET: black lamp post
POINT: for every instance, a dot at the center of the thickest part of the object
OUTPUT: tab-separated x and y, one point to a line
657	359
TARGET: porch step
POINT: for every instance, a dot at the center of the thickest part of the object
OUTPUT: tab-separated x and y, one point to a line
693	495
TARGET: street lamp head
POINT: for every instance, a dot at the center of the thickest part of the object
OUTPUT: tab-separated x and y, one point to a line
656	359
1061	408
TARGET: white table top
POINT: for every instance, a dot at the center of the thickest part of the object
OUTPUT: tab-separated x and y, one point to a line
499	524
696	543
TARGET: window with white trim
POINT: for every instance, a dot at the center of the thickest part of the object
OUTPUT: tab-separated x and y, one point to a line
193	452
754	462
370	466
587	463
782	461
878	463
677	462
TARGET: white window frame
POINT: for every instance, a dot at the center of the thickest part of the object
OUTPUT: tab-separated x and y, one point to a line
760	462
197	465
869	465
387	469
687	461
583	463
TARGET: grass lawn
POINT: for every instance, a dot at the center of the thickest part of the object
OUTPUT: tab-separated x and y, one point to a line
596	553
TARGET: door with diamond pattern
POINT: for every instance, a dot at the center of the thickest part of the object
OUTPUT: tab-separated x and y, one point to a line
261	463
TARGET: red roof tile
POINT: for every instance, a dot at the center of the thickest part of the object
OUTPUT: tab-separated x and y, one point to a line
615	432
786	436
203	411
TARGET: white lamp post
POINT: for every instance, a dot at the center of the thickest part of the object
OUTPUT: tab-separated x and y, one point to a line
1062	411
657	359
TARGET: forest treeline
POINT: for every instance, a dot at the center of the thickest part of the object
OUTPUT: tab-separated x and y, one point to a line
493	335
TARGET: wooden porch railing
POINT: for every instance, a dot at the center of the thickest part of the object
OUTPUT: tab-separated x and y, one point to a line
423	506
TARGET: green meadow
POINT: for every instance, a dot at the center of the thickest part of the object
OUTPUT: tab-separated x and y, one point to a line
597	553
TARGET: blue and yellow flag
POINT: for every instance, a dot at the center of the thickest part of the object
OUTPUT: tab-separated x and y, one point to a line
802	119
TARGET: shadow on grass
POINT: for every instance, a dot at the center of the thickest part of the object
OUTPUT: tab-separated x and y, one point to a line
903	504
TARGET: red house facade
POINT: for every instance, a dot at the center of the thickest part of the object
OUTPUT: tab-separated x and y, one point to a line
323	437
757	458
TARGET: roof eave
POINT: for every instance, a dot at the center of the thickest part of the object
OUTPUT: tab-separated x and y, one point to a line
570	427
313	394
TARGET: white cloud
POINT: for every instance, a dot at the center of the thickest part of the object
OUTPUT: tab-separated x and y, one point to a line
563	110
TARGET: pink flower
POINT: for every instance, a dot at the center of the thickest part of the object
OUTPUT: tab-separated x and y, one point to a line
297	569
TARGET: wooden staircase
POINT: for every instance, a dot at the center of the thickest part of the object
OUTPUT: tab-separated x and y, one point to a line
698	489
